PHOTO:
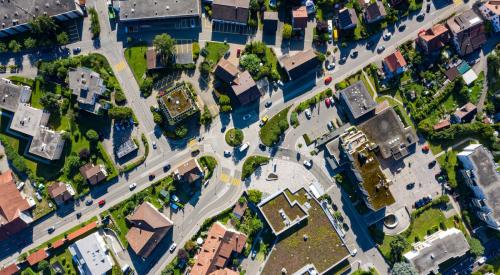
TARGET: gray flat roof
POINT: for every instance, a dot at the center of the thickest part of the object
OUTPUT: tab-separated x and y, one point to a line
11	95
131	10
438	248
19	12
27	120
87	85
487	178
91	254
358	100
126	148
387	130
47	144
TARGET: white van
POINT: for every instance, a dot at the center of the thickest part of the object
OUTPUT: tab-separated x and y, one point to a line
244	147
330	26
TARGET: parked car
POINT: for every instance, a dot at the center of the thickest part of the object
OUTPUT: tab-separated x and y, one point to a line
38	196
254	254
431	164
428	8
101	203
154	144
166	168
51	229
410	185
328	79
387	35
329	125
263	121
172	247
308	163
401	27
380	49
20	185
227	153
152	176
244	147
330	66
78	215
238	52
132	186
308	113
421	16
77	50
268	104
89	202
328	102
423	202
354	54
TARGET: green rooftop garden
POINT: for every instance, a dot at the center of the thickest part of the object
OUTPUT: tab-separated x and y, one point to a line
271	210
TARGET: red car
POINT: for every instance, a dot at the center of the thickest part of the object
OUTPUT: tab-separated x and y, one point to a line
328	102
328	79
102	203
238	53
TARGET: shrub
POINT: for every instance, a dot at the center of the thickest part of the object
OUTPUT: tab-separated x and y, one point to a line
234	137
294	119
120	97
251	164
92	135
206	117
146	86
287	31
120	112
181	131
196	51
95	27
254	196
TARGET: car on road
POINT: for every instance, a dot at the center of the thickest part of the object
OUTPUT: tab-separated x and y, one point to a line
263	121
152	176
380	49
354	54
101	203
328	79
51	229
227	153
330	66
166	168
328	102
268	104
421	16
329	124
132	186
172	247
77	50
89	202
78	215
308	113
428	8
154	144
247	116
206	183
401	27
387	35
431	164
308	163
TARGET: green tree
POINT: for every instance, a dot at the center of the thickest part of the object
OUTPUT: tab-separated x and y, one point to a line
206	117
206	67
14	46
398	245
254	196
120	112
287	31
164	45
50	101
95	26
476	248
3	47
181	131
254	5
43	25
29	43
71	165
92	135
403	268
250	62
43	265
62	38
147	86
157	118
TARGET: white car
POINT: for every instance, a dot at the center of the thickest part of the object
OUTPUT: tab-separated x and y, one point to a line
308	113
330	66
172	247
132	186
244	147
308	163
387	35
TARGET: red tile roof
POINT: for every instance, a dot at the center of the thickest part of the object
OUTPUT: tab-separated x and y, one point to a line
441	125
300	17
395	61
58	243
81	231
12	204
37	257
10	270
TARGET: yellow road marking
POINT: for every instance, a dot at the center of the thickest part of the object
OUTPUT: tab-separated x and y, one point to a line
120	66
224	178
235	181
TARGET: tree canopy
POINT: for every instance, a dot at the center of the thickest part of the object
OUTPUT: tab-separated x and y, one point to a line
44	24
251	63
403	268
164	45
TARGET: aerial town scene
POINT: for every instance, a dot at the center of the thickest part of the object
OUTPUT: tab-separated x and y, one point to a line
246	137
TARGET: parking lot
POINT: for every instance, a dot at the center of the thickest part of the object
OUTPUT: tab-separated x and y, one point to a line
184	51
232	28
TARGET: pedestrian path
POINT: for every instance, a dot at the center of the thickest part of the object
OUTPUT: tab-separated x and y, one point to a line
227	177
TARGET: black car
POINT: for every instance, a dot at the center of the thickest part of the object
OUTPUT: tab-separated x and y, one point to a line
166	168
432	164
268	104
89	202
401	28
420	16
428	9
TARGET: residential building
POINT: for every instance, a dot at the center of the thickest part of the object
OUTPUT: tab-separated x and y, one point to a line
11	269
88	87
270	22
394	64
437	249
47	144
433	39
357	102
91	255
374	12
347	19
178	103
34	258
490	10
28	120
12	95
125	147
300	64
136	12
60	192
479	173
93	174
467	31
299	18
148	229
15	15
189	172
464	114
242	84
393	138
15	212
441	125
303	226
218	248
231	11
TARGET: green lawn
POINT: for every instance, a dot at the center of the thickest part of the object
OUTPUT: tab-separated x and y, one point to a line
215	50
273	60
477	88
136	59
208	163
66	261
269	134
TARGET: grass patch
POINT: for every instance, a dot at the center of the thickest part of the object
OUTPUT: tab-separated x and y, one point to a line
136	59
208	163
251	164
273	61
270	133
234	137
214	51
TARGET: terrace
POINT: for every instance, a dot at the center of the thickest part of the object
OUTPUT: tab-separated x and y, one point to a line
274	208
177	103
314	242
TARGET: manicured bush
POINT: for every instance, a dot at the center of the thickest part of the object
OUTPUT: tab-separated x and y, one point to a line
251	164
234	137
95	27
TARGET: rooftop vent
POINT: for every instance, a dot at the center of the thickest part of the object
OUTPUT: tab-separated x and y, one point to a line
47	5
